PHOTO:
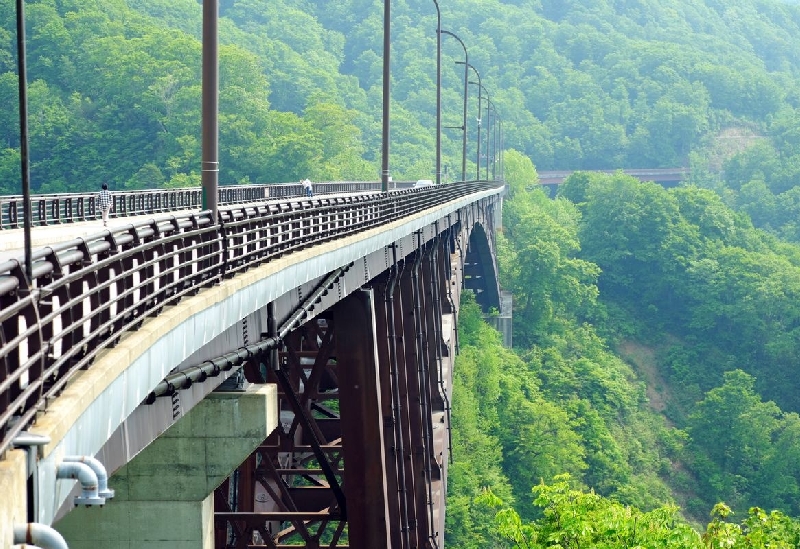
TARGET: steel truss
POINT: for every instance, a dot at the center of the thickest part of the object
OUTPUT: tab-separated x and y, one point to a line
364	392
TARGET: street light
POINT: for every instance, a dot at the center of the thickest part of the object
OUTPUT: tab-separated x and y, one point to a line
209	165
502	156
493	157
23	138
386	80
482	89
491	140
464	120
438	94
496	121
498	145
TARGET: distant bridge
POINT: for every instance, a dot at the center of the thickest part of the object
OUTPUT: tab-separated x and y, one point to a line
659	175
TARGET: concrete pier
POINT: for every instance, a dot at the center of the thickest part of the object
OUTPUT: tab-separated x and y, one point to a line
164	496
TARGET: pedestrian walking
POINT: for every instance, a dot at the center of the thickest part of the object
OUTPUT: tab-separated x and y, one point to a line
104	202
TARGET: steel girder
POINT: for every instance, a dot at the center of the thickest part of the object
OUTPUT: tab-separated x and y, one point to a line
360	457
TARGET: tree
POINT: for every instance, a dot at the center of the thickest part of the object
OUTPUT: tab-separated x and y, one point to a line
574	519
731	431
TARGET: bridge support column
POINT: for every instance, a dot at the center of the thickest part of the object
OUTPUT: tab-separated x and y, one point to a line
13	486
360	395
164	496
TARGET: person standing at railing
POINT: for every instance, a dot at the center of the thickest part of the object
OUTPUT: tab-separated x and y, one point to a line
308	187
104	202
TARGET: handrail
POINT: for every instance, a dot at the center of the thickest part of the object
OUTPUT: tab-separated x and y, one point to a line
85	293
57	208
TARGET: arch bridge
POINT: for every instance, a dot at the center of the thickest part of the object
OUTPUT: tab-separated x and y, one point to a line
276	377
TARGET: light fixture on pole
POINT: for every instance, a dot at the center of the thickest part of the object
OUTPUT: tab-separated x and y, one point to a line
491	141
481	89
464	119
502	153
489	132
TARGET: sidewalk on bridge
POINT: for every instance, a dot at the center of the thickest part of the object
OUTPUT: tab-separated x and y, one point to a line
12	241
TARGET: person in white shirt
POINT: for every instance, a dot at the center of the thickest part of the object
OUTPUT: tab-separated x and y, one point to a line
308	187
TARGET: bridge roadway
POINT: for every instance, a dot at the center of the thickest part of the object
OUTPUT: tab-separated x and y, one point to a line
279	378
12	241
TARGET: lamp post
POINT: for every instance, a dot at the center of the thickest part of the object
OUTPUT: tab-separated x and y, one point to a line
480	87
464	119
481	91
386	81
489	133
23	137
498	147
210	162
495	144
438	94
491	138
502	153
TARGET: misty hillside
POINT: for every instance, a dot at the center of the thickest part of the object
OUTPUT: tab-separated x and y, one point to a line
578	84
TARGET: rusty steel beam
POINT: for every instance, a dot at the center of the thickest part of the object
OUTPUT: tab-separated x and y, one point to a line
293	487
419	408
362	423
366	386
395	409
277	515
392	440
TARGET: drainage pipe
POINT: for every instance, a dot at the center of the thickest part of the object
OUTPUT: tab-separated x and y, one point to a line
33	446
212	368
88	479
99	469
39	535
396	404
437	308
422	375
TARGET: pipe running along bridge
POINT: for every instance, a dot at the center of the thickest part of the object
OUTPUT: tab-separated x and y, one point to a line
277	377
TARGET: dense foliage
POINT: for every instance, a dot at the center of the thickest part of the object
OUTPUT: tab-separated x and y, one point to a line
657	330
574	519
700	304
563	403
717	299
114	89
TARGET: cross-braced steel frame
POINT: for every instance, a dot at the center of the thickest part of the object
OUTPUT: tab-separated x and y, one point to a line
360	455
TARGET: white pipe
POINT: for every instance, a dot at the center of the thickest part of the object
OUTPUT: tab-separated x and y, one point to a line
40	535
99	469
86	477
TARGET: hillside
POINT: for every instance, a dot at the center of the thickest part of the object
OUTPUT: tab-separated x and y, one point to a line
696	287
655	340
114	85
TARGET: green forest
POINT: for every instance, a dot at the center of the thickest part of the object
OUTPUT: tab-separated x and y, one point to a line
115	87
652	380
651	397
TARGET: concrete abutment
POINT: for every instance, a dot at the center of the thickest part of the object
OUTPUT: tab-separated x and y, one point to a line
164	496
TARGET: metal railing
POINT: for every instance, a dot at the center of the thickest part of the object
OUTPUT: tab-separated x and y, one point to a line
84	294
53	209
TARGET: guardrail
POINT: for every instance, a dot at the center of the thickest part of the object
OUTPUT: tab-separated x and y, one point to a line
53	209
86	293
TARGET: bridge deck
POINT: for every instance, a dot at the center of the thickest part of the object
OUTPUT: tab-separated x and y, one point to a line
129	306
12	241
